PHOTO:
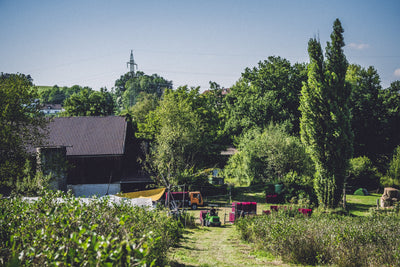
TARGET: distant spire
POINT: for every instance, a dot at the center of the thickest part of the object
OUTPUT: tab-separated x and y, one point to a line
131	64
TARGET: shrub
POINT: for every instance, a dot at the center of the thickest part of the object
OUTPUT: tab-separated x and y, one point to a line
392	177
32	183
326	239
66	232
362	173
299	189
266	156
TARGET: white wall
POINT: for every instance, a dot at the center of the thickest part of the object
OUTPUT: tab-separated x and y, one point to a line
89	190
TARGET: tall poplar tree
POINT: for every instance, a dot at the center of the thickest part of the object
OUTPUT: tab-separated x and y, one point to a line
325	121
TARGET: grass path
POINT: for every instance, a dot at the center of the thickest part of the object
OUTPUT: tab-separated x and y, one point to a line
216	246
221	246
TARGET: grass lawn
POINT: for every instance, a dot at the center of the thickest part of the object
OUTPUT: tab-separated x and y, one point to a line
221	246
360	205
217	246
357	205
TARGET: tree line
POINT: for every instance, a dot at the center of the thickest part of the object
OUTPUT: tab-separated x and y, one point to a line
318	125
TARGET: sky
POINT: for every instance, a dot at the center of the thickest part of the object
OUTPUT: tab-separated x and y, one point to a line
188	42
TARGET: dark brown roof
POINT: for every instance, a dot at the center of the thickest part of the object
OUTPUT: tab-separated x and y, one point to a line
89	136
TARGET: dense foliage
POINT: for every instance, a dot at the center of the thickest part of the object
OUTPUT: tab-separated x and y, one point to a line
267	93
363	173
56	94
268	156
68	232
392	177
128	87
325	239
391	117
325	123
89	103
21	125
138	112
368	112
180	134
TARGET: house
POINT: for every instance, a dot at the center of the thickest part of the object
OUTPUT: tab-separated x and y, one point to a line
51	109
101	152
224	91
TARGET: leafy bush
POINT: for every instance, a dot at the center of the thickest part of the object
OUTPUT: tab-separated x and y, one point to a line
326	239
298	189
69	232
192	178
362	173
268	155
32	183
392	177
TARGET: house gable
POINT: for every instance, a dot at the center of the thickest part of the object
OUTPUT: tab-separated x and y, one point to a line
89	136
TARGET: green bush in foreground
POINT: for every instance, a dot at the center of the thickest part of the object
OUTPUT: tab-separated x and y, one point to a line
323	239
72	233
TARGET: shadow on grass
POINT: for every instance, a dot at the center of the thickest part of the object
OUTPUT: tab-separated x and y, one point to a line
177	264
358	207
244	198
249	194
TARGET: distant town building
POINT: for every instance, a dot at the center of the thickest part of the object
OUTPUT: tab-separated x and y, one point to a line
51	109
224	91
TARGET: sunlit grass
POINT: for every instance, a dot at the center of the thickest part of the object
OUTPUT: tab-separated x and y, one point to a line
360	205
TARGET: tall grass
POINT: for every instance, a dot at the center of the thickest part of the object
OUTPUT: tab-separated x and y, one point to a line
326	239
72	233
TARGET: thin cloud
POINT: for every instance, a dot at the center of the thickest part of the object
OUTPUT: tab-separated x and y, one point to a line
397	72
358	46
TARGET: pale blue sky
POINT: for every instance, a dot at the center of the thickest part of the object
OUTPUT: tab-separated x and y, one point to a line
189	42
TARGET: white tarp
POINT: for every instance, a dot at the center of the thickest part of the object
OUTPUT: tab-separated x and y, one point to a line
89	190
142	202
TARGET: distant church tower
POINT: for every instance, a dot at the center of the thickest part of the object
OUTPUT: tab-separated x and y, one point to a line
131	64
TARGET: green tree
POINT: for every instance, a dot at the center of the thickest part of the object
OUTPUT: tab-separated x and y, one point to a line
367	112
394	167
264	94
391	119
120	83
392	177
325	123
89	103
128	87
53	95
268	156
21	125
73	90
363	173
138	112
177	130
210	106
57	95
